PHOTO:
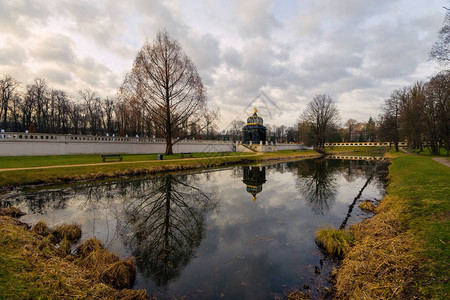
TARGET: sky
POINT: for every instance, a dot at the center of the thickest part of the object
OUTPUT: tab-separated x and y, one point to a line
275	55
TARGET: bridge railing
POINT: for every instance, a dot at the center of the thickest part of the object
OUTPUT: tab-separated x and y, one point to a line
363	144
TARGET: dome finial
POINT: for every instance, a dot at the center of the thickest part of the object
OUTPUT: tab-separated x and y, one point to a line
255	110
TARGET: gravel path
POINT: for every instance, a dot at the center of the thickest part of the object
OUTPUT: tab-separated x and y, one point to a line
442	160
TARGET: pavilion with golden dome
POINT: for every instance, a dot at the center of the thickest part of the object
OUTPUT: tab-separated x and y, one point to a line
254	132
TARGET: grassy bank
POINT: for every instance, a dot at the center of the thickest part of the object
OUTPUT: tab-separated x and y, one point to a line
90	167
403	251
356	150
31	267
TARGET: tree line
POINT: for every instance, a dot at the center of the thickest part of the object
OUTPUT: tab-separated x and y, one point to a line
418	114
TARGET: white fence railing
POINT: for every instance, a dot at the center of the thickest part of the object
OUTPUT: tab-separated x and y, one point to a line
48	137
363	144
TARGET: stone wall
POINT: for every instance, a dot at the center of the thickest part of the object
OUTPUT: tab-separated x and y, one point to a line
24	144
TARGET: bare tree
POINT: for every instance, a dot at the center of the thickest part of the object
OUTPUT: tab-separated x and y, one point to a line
437	112
412	102
7	88
165	83
350	124
440	51
390	119
322	115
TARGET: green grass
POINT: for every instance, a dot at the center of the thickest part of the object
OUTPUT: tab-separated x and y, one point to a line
93	172
60	160
356	150
425	184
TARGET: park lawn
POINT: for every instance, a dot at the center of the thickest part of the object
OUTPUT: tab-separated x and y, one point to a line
356	150
111	170
425	185
60	160
403	251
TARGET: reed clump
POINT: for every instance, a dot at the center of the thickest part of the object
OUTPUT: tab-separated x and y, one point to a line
41	229
70	232
333	241
367	205
90	245
120	274
107	267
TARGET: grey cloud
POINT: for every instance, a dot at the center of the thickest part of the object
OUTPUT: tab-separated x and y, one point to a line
203	50
55	75
12	54
394	52
254	18
18	17
232	57
54	48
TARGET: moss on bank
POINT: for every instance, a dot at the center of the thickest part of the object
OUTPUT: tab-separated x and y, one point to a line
402	252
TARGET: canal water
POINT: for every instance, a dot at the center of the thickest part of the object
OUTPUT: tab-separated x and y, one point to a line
241	233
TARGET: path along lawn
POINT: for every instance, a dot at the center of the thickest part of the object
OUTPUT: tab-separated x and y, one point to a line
91	167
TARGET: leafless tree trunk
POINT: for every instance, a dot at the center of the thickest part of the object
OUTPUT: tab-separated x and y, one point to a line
165	83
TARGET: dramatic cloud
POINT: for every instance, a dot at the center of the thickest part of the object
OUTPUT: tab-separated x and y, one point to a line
355	51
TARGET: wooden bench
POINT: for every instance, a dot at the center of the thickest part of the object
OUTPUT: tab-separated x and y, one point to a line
105	156
186	154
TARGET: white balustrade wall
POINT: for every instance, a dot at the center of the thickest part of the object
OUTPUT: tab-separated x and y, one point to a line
18	144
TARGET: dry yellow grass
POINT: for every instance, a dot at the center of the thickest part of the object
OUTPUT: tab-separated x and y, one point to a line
41	228
70	232
382	264
120	274
367	205
27	272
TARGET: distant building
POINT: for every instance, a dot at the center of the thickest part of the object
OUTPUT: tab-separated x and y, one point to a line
254	131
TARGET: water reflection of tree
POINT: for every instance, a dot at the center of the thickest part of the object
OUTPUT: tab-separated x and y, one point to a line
316	181
38	202
168	220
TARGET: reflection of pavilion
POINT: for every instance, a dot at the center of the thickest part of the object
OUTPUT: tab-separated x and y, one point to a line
254	178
